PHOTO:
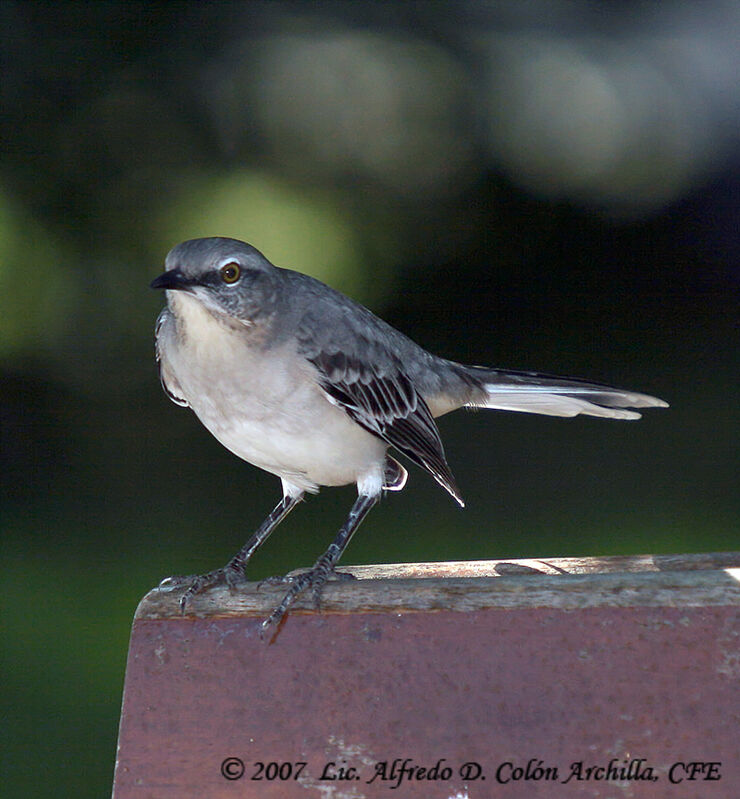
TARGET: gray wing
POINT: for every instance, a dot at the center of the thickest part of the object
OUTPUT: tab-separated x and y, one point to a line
378	394
169	383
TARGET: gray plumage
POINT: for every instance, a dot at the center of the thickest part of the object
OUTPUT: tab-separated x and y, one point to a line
301	381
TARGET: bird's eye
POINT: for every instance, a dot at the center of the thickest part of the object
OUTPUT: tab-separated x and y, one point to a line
230	273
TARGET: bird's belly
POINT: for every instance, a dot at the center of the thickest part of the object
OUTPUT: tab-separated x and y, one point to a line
278	419
326	453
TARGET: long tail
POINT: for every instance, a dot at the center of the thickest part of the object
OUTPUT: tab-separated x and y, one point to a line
531	392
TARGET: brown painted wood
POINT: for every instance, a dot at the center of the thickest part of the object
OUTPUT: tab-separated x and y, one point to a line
546	662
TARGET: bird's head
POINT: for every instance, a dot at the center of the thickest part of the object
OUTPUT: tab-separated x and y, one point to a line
228	277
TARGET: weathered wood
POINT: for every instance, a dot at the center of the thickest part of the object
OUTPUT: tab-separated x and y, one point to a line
531	672
565	583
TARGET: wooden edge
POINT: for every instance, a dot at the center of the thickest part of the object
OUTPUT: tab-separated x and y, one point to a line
554	566
558	583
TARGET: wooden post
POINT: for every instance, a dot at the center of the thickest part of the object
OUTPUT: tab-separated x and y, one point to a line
562	677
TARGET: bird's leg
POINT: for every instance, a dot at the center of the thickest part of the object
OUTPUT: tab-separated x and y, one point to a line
318	574
234	570
236	567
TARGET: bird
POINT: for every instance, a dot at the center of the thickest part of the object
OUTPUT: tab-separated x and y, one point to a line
303	382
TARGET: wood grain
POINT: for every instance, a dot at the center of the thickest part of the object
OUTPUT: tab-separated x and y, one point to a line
696	580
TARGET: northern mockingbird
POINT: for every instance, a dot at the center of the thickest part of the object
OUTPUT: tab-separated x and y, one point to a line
299	380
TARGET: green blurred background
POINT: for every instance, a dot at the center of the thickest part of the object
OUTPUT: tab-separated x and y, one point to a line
540	185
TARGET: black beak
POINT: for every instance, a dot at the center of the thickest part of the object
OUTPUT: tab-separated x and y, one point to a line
173	280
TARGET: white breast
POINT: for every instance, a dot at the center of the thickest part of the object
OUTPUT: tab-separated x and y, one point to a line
263	402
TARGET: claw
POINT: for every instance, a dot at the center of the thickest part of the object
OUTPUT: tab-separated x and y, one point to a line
200	583
314	579
175	581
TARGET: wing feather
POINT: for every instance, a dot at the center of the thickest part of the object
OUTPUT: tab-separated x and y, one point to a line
380	397
170	385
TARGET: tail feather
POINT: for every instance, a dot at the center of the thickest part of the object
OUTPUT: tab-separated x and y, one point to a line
530	392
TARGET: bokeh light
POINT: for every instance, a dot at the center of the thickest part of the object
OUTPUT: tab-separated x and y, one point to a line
295	226
38	285
615	125
364	106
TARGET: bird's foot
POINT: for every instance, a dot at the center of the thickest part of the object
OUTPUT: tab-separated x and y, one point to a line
232	575
314	578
